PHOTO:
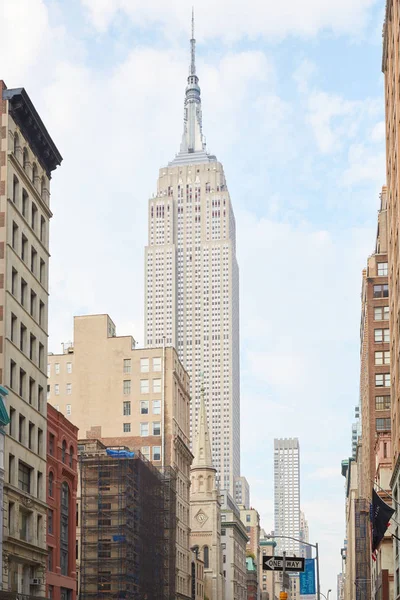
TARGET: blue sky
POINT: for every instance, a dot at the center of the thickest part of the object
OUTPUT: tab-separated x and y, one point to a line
293	107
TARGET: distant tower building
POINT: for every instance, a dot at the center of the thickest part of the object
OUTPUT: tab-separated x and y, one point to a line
205	511
192	282
304	535
287	493
242	492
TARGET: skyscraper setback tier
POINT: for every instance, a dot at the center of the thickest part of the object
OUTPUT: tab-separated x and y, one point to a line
192	282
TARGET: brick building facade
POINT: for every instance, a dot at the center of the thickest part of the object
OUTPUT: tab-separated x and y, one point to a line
62	481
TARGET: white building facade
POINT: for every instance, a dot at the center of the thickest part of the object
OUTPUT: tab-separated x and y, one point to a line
192	282
287	494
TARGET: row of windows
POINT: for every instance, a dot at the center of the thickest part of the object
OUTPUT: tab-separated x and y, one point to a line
144	428
68	389
25	387
144	407
25	162
26	432
33	349
30	306
57	368
21	248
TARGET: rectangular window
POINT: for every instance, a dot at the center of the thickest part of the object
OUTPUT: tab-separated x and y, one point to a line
51	444
127	365
156	386
24	247
57	389
382	380
382	335
382	358
144	365
50	558
144	386
382	403
24	477
25	200
57	368
157	428
156	407
382	269
33	304
68	410
127	409
144	407
127	428
13	327
33	216
104	581
145	450
48	370
157	364
24	526
42	271
14	278
156	452
33	260
381	291
144	429
50	521
22	383
383	425
15	236
22	337
69	367
32	347
24	287
69	389
127	386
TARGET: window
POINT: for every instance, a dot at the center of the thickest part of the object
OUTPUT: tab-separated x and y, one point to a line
68	409
69	389
127	428
24	477
14	277
156	386
144	429
381	291
56	389
48	370
16	143
156	407
382	335
24	287
32	347
382	380
15	236
156	452
34	216
127	365
127	409
71	456
12	374
104	548
24	247
144	407
63	450
69	367
34	174
25	201
206	557
144	386
42	229
146	452
382	358
50	558
13	327
51	444
15	190
382	403
104	581
383	425
382	269
381	313
157	364
50	517
51	484
22	337
33	260
57	368
42	271
41	313
248	518
21	431
33	304
24	522
144	365
127	386
25	158
157	428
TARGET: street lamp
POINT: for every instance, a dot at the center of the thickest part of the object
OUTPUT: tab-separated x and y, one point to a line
288	537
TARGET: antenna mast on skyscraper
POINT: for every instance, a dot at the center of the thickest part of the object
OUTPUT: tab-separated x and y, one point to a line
193	48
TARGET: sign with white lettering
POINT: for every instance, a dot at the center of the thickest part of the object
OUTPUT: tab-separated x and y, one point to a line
275	563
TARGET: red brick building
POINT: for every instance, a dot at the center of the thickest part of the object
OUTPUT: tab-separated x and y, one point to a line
62	480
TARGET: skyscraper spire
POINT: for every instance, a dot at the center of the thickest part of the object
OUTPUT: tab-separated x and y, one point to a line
193	147
202	445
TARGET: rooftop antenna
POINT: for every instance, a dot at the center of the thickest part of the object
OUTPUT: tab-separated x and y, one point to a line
193	48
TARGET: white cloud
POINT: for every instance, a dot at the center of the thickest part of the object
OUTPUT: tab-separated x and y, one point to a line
365	164
231	20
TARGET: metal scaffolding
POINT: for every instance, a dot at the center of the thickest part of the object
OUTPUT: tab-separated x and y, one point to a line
128	521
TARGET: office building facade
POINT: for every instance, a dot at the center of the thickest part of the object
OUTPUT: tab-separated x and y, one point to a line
287	494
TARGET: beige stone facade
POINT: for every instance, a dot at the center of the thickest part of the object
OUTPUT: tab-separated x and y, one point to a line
234	541
127	396
251	520
27	157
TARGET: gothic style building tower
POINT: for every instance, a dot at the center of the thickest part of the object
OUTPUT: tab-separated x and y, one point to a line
192	282
205	510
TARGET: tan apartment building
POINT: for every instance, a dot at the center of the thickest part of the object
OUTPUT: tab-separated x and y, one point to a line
251	520
27	158
133	397
374	353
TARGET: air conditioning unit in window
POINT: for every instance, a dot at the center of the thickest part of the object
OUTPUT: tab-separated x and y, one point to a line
36	581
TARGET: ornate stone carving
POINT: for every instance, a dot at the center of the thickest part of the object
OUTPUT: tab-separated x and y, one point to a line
201	517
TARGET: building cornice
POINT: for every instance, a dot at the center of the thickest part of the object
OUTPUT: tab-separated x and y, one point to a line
22	110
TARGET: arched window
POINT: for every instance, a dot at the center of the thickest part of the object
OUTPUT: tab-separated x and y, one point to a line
16	143
51	484
34	173
71	456
63	451
64	528
206	557
25	158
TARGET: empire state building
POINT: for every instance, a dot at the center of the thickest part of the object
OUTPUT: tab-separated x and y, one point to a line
192	281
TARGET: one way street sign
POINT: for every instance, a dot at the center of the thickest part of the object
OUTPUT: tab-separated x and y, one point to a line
275	563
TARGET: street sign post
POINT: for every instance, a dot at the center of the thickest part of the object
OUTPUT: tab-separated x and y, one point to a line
293	564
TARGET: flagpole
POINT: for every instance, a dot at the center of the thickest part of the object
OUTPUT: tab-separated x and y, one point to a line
386	492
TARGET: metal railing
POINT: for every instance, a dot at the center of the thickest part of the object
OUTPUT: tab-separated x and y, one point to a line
4	595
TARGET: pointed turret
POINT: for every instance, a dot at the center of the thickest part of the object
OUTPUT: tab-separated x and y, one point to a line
193	146
202	445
